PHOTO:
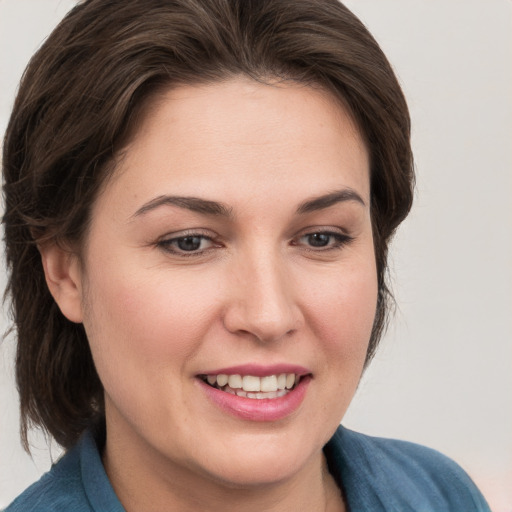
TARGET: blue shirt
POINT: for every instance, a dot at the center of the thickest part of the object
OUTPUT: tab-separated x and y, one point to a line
375	474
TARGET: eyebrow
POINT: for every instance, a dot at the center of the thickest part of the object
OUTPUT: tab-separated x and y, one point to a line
206	207
321	202
194	204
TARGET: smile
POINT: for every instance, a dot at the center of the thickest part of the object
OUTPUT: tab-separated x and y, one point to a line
250	386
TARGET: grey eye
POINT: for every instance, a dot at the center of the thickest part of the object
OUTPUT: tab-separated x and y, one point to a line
318	239
189	243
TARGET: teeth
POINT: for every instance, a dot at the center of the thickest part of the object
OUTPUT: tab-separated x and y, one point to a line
281	381
250	383
269	383
222	380
270	386
260	396
234	381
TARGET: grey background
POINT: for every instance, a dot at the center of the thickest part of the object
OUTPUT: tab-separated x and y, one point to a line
443	376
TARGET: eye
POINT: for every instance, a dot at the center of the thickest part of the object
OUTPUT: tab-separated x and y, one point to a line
324	240
318	239
187	245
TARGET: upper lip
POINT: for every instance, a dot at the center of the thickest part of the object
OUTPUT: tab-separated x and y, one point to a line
258	370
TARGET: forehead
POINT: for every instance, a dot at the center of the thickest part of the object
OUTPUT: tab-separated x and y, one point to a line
224	139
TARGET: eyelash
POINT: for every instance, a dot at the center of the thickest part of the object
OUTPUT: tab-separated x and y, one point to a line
170	244
340	240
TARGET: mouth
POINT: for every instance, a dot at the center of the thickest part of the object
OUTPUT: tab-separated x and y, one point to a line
254	387
256	393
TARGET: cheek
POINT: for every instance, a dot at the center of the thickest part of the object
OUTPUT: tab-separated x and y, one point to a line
341	311
144	322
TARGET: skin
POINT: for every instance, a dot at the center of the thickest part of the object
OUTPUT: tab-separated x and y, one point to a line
256	291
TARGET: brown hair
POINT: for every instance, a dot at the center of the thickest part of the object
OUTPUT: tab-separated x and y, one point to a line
79	100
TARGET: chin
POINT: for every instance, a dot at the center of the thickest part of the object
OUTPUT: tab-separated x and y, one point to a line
261	460
256	472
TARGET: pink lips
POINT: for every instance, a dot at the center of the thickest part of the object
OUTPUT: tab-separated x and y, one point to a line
259	370
267	409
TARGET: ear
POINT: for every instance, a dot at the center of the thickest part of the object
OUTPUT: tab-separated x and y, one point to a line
63	277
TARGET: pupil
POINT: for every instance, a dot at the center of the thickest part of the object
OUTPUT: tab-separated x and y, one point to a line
318	239
189	243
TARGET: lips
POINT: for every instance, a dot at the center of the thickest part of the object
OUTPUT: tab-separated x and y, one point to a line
256	393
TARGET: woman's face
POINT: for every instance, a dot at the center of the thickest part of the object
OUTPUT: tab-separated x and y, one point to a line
233	240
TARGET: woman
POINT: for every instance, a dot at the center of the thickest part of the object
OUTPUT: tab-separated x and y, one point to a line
199	198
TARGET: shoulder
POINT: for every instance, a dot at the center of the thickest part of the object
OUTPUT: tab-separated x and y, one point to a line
77	483
58	490
387	474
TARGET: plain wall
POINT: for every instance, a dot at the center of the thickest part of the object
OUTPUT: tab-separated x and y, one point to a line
443	375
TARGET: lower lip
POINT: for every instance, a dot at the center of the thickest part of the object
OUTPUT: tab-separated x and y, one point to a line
253	409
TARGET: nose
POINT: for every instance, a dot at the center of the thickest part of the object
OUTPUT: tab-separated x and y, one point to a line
262	301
